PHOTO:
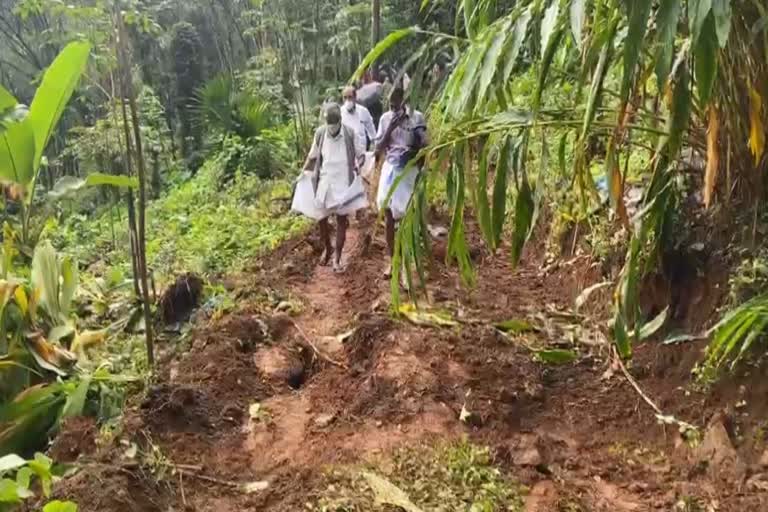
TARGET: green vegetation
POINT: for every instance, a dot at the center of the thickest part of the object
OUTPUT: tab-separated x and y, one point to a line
643	77
18	477
199	226
445	478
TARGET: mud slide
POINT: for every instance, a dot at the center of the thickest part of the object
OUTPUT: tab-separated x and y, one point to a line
312	372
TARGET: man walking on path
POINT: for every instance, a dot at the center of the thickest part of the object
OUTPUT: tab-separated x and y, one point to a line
402	134
330	184
357	117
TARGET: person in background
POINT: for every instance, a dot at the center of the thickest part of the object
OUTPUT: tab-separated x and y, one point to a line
329	184
370	95
357	117
402	134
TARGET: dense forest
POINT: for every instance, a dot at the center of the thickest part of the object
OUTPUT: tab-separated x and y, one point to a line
574	311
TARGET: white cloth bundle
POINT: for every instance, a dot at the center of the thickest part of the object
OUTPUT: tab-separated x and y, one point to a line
398	204
307	203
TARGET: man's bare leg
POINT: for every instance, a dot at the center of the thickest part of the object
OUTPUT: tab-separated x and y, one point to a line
325	238
390	234
342	222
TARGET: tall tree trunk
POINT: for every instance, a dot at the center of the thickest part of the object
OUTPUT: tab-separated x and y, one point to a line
375	22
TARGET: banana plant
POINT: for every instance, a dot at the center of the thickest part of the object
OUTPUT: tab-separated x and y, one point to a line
25	133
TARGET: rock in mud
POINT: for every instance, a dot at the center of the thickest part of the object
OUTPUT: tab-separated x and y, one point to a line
280	364
279	326
179	299
524	451
324	420
717	452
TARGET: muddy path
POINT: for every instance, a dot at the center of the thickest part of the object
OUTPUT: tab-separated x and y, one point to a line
311	371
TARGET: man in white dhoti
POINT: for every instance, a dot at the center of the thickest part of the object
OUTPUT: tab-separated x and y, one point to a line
329	184
402	134
357	117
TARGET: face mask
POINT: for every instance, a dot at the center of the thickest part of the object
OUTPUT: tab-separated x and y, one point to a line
349	105
334	128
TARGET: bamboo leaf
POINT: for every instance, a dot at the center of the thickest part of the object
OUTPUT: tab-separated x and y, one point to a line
706	60
578	15
468	6
666	22
680	114
499	212
698	11
512	51
548	24
546	63
756	126
457	244
56	88
483	208
523	218
620	335
491	62
467	79
722	12
382	47
639	10
598	79
650	328
713	156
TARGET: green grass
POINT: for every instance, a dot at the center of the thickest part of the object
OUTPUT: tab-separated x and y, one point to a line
447	478
200	225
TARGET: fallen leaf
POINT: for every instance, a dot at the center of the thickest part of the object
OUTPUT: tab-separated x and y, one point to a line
515	326
584	295
464	415
387	493
428	318
556	356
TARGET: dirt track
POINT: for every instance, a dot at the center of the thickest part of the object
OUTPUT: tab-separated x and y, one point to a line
575	434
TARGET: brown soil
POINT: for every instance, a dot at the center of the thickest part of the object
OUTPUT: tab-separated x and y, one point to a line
577	435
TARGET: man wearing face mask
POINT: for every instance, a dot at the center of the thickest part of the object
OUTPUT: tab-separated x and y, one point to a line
330	184
402	134
357	117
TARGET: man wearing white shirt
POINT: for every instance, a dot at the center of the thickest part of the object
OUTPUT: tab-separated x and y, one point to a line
358	118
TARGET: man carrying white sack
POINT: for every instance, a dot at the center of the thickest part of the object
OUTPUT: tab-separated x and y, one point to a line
330	184
402	134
